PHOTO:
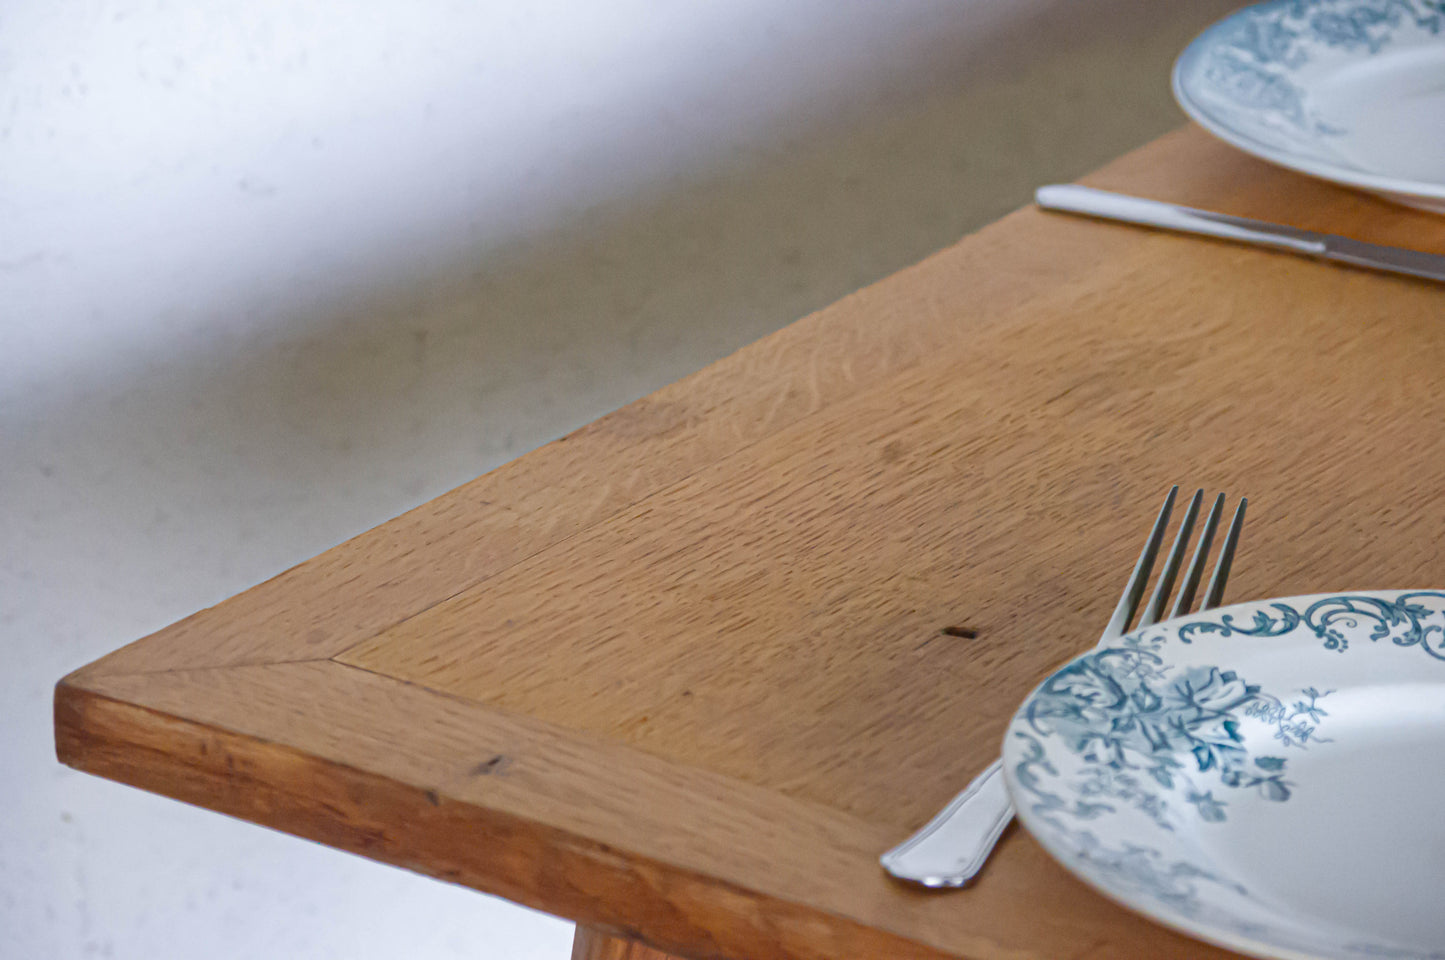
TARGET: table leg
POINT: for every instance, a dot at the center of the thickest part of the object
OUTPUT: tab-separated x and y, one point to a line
589	944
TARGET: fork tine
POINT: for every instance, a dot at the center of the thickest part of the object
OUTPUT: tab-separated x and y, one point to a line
1155	607
1215	594
1185	600
1134	590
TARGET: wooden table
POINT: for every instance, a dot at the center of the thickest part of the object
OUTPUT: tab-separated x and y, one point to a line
681	675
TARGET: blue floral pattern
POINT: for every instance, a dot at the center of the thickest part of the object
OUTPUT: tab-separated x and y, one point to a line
1152	738
1245	70
1410	620
1133	866
1150	734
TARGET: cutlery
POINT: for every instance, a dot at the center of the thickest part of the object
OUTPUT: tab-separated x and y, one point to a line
952	847
1072	198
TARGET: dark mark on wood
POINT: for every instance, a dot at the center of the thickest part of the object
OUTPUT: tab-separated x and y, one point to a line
487	767
967	633
434	798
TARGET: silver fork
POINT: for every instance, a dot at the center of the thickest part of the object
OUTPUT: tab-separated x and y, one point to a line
952	847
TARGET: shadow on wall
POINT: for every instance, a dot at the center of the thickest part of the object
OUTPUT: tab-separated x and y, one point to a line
462	341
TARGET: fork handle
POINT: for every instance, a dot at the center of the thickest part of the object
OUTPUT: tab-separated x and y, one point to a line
953	846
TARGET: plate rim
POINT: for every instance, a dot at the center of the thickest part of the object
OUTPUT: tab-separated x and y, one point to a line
1141	907
1347	176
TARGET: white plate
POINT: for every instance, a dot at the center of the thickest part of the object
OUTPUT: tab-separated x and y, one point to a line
1269	777
1347	90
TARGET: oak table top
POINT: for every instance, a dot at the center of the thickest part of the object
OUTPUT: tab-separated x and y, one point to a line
681	675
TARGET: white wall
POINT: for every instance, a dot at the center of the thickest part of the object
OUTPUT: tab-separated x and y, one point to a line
271	273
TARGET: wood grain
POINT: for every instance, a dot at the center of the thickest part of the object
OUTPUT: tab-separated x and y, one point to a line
1012	502
592	830
526	506
682	675
589	944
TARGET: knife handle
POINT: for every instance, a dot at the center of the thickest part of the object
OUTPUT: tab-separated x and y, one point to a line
1072	198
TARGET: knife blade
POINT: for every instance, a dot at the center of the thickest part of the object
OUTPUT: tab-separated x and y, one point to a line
1072	198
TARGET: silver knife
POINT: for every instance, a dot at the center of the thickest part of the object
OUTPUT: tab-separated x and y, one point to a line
1072	198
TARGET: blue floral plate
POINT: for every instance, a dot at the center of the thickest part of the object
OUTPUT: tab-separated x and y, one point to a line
1348	90
1267	777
